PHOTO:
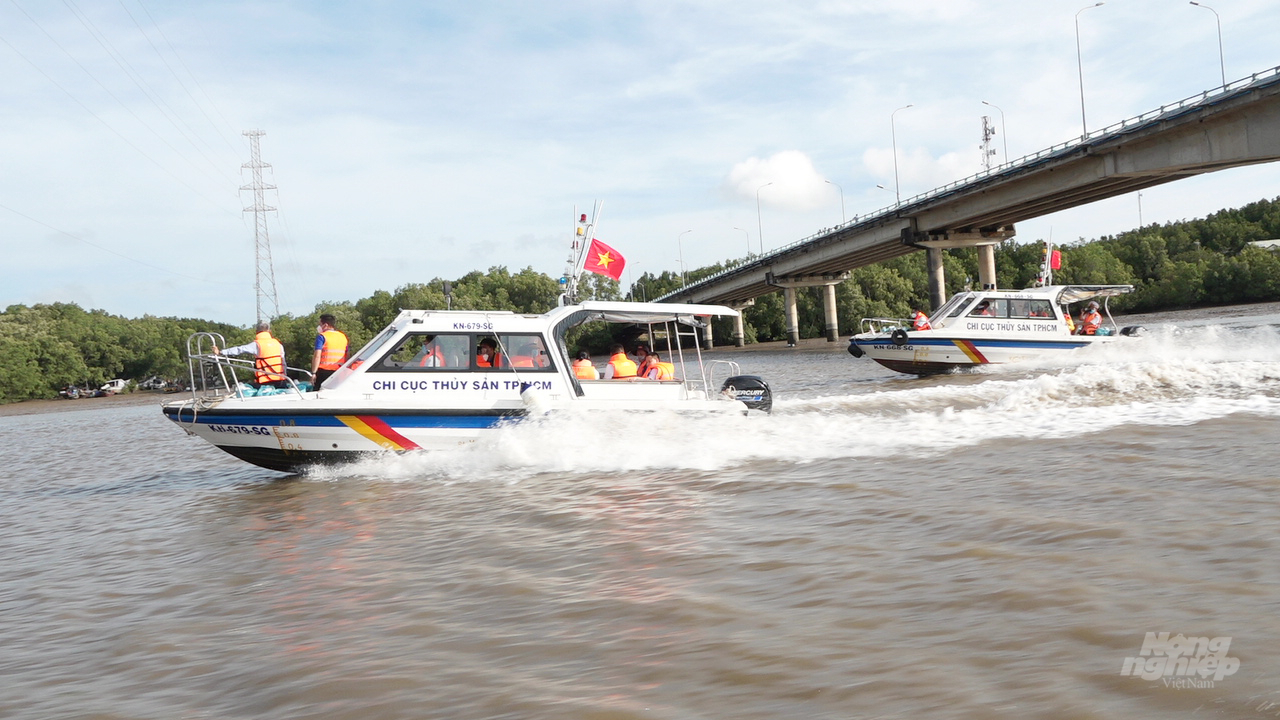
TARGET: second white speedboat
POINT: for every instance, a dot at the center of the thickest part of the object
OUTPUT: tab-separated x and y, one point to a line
985	327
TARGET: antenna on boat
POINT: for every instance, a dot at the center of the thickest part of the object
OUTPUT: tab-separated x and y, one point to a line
1051	260
583	233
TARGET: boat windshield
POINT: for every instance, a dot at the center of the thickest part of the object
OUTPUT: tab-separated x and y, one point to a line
374	346
953	306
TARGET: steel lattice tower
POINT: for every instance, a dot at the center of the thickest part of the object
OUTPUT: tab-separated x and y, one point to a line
264	281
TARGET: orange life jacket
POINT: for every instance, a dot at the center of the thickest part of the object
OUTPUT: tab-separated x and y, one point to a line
334	350
1090	321
268	367
661	371
521	360
433	358
623	367
482	361
584	370
921	321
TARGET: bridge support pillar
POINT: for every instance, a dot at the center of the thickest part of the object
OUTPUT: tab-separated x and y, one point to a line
937	278
789	285
707	343
793	317
829	307
739	327
987	266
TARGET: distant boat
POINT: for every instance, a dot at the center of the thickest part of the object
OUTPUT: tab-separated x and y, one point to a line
987	327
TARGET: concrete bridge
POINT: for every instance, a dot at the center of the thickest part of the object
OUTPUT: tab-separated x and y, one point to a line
1231	126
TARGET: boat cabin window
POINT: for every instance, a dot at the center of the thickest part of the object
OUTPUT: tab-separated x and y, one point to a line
991	307
523	352
1030	309
429	351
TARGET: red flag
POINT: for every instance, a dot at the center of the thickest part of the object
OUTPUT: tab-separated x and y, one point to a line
1055	260
604	260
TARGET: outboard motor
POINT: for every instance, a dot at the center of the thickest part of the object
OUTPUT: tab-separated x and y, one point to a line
751	390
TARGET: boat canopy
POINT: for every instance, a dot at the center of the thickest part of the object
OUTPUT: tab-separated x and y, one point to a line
651	313
1077	293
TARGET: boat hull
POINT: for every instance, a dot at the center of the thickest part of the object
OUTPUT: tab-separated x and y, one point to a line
291	439
925	353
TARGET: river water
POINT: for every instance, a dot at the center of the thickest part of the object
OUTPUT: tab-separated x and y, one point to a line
989	545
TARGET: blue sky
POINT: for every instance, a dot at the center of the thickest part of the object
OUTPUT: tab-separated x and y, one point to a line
412	140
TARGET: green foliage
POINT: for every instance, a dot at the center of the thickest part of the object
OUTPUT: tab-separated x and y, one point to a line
46	347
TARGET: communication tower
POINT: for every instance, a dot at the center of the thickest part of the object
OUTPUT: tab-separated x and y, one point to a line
988	132
264	280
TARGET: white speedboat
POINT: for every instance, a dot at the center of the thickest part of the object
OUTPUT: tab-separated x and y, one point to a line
985	327
420	384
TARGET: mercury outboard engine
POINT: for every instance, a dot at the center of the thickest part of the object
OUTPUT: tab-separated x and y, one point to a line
750	389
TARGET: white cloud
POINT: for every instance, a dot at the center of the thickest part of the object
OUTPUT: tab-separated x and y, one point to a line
794	182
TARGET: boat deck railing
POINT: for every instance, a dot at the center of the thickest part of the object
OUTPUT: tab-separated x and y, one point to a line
715	367
882	324
213	376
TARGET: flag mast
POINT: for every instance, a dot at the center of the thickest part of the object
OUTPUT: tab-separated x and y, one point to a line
583	234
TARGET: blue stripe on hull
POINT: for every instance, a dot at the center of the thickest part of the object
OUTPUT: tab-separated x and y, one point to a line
981	343
465	422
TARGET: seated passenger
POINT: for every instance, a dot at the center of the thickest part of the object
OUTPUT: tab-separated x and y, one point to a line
582	367
643	360
486	354
920	321
659	370
620	366
526	357
431	355
983	308
1090	319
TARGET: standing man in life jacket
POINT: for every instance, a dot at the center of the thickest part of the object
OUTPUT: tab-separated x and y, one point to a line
620	366
1090	319
331	350
582	367
268	362
920	321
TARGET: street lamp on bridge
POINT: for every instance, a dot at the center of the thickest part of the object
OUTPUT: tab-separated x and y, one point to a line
1080	69
842	215
1221	62
893	133
759	224
680	244
744	232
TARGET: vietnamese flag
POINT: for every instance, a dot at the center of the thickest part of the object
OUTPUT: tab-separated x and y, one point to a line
604	260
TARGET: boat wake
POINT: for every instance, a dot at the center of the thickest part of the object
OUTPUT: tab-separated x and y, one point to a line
1162	380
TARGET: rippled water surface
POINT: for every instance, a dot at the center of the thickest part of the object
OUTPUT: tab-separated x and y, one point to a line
986	545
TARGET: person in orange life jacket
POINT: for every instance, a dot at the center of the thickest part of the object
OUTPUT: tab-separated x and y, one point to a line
582	367
486	354
920	322
268	364
620	366
659	370
528	356
331	350
1090	319
983	308
432	355
643	360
